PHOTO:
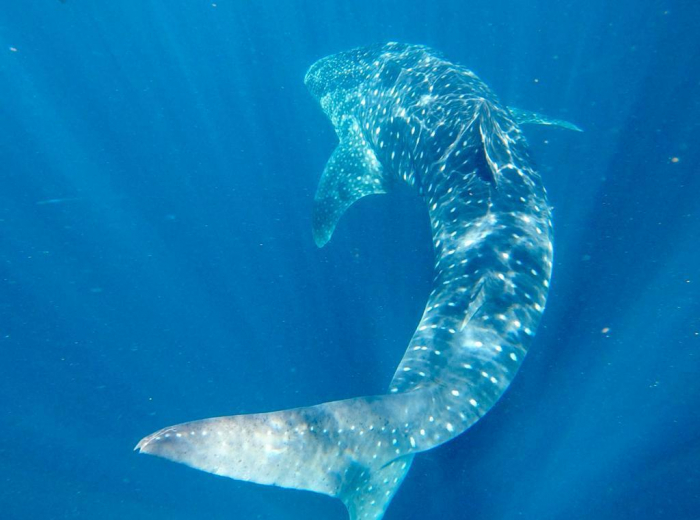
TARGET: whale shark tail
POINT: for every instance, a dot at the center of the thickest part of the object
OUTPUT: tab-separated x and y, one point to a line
311	448
383	484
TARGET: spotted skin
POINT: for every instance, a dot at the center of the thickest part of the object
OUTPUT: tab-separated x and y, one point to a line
404	114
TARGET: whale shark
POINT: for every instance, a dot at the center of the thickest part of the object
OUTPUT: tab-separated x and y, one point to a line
403	113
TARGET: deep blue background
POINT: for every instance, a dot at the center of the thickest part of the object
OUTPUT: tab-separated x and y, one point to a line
158	164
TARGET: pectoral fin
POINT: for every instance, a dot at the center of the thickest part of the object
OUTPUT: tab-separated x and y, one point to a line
352	172
525	117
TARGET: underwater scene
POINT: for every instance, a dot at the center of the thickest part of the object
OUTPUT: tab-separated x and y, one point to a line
366	260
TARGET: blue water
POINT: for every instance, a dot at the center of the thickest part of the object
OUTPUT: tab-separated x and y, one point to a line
159	160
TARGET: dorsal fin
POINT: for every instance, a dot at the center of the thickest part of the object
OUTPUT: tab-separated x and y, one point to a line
495	146
352	172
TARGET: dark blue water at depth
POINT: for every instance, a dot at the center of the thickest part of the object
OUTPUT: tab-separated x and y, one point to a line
159	160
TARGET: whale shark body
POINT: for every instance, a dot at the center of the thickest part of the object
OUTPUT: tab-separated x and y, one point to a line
402	113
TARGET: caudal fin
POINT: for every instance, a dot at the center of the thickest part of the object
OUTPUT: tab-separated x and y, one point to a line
345	449
370	498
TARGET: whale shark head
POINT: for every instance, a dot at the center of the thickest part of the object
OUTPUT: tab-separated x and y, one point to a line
335	79
332	74
342	72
